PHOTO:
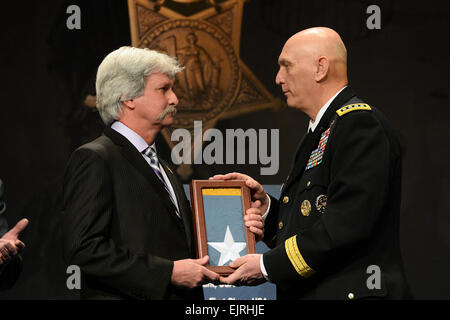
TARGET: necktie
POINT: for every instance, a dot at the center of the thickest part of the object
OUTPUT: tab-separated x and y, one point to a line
154	163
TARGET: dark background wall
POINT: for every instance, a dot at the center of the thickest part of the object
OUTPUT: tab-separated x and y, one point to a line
402	69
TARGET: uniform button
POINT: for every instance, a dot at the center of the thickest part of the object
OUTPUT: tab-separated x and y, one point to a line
351	296
285	199
280	225
308	183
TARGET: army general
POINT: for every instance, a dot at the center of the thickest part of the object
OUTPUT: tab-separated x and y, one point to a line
334	232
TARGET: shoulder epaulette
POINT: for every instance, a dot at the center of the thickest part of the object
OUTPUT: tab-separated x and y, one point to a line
352	107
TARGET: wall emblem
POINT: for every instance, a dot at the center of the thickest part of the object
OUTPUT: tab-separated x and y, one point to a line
204	35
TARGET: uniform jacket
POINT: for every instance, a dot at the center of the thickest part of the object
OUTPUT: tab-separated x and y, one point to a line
335	229
119	224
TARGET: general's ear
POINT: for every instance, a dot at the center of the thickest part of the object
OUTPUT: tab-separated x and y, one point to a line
323	65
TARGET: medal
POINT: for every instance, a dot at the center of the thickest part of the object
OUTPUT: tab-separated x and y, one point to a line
305	208
321	203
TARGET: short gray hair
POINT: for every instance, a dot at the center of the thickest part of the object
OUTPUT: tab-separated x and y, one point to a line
123	75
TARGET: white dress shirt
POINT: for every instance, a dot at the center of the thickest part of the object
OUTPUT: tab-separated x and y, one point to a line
313	124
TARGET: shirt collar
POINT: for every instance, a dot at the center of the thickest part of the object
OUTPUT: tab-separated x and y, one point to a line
136	140
313	124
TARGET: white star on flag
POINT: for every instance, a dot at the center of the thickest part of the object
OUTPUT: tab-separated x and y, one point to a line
229	250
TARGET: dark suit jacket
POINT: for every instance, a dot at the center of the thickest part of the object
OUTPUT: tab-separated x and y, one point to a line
339	219
9	273
119	224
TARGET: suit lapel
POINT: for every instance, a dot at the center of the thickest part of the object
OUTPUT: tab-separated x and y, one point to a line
137	160
302	157
307	145
299	151
181	198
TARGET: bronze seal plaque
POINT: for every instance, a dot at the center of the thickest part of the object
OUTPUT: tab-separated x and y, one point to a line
211	79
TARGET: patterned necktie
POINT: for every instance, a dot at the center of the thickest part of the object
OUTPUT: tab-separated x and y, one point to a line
154	163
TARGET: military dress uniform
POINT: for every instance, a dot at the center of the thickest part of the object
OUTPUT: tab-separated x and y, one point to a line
335	229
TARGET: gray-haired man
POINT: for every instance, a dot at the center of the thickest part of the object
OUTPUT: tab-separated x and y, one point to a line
126	221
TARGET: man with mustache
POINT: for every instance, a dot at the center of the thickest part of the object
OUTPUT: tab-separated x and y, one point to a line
334	232
126	221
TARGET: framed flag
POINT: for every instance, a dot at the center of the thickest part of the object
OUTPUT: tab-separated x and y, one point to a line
219	207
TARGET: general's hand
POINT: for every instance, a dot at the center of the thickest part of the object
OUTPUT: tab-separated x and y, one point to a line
256	189
192	273
10	245
248	271
253	220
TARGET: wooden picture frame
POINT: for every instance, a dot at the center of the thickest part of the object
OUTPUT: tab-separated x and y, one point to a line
211	207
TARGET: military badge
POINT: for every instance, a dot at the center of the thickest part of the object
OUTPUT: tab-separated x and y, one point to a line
317	154
305	208
321	203
353	107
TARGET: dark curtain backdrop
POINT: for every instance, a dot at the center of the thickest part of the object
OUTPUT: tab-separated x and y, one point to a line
47	70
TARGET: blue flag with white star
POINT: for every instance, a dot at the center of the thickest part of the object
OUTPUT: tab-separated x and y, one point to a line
224	221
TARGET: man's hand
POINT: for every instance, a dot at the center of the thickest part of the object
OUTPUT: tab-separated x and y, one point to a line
248	271
10	245
192	273
257	191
